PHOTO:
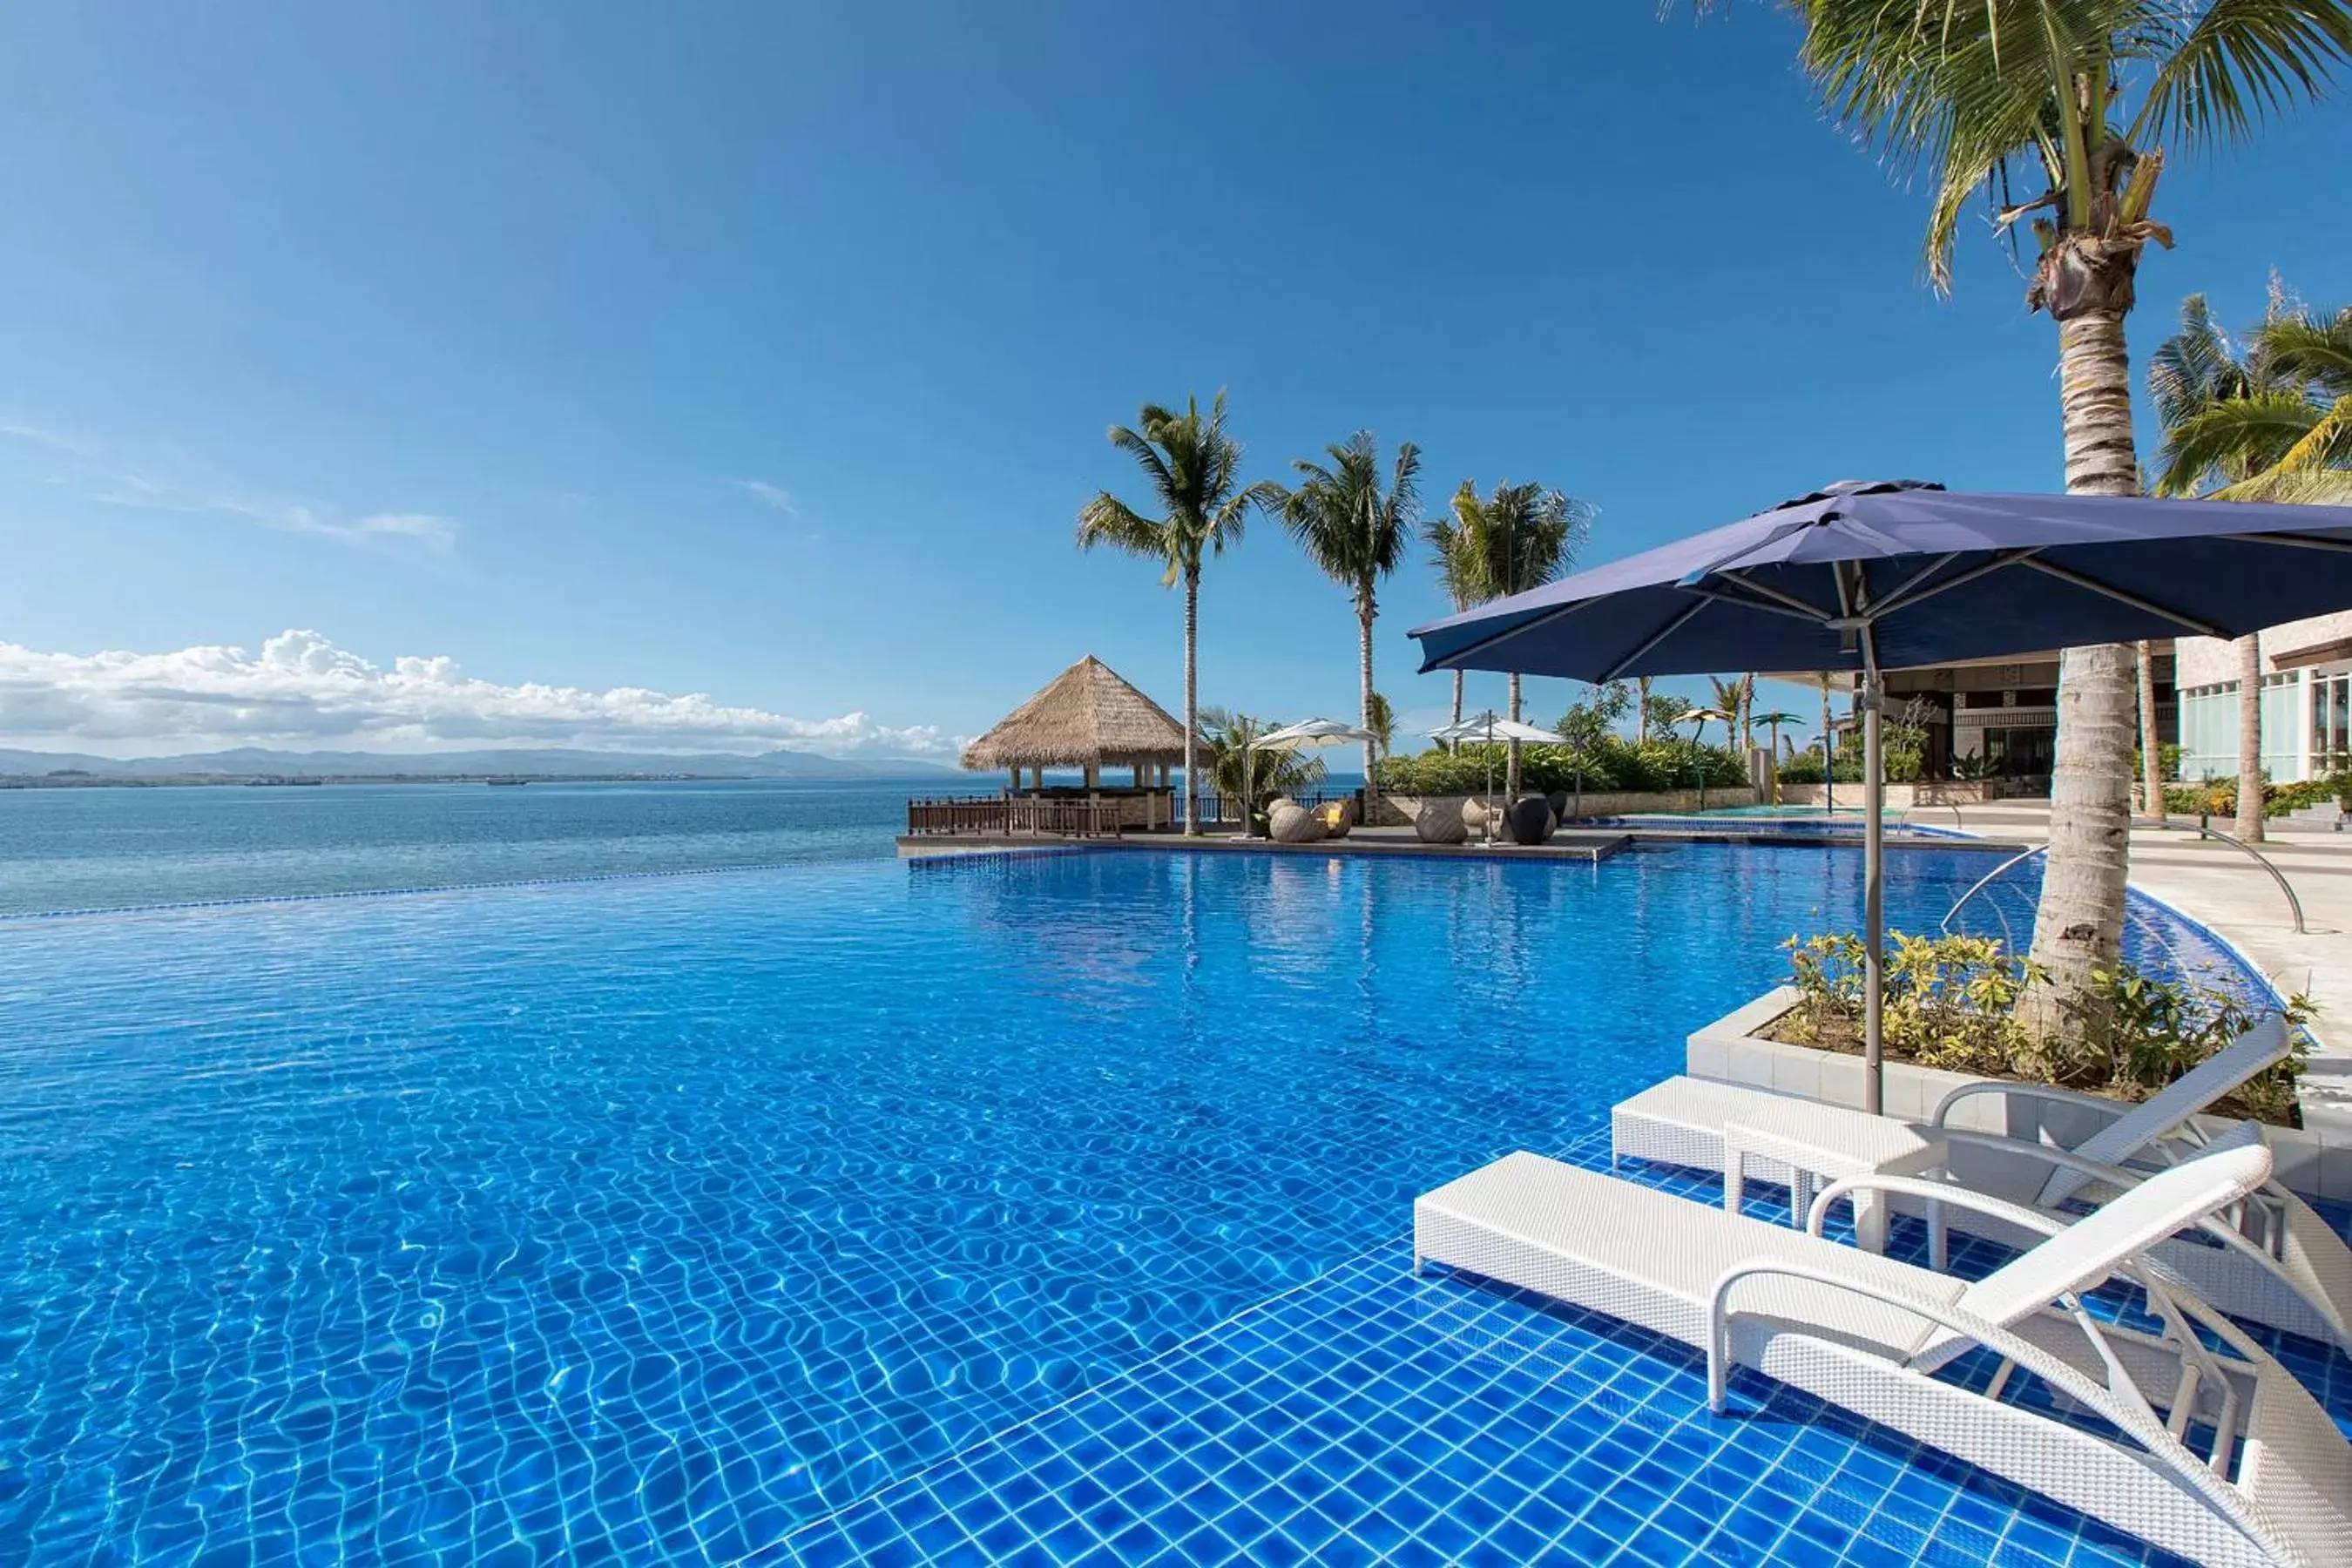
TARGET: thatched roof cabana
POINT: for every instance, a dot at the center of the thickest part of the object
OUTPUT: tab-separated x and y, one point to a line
1087	717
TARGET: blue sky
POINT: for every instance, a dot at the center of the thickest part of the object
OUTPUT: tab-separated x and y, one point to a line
766	352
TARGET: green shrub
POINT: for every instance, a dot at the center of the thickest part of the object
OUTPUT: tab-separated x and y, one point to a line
2219	797
1950	1002
1609	763
1803	768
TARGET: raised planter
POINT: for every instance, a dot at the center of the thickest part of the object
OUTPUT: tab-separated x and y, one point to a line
1400	810
2315	1160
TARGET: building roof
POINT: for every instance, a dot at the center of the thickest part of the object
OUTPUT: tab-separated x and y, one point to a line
1086	716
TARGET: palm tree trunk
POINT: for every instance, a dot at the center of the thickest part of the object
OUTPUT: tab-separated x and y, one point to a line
1192	706
1829	754
1511	770
2249	738
1642	713
1365	610
2151	761
2078	924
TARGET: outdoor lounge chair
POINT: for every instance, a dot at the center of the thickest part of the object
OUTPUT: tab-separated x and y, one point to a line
2242	1466
2271	1260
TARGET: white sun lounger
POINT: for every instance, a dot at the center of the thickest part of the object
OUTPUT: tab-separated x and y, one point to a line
2272	1484
2271	1260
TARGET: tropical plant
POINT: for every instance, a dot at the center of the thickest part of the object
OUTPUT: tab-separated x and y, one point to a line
1239	769
1521	536
1380	718
1981	94
1955	1002
1354	527
1595	716
1660	711
1454	553
1194	470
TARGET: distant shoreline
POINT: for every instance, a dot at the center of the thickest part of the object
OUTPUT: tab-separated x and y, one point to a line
296	781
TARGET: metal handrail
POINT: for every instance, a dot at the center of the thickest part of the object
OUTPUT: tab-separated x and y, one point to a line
2017	859
2294	903
2203	828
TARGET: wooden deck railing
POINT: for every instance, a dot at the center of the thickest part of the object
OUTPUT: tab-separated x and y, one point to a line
996	817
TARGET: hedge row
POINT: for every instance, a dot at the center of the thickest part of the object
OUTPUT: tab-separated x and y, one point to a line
1612	765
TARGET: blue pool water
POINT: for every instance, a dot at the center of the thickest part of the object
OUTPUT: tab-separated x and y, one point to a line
655	1220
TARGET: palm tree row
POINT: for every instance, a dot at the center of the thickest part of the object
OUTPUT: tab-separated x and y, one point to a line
1351	514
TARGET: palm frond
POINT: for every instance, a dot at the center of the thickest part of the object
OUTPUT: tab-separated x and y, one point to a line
2225	68
1109	521
2233	438
2318	351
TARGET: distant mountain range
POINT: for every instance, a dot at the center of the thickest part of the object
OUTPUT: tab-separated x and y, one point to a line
252	762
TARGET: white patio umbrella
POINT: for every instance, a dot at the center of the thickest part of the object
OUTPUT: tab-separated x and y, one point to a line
1487	729
1290	737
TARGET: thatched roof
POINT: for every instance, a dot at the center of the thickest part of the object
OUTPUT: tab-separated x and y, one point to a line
1087	715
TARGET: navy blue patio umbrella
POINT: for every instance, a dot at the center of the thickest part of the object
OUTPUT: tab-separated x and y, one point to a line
1877	575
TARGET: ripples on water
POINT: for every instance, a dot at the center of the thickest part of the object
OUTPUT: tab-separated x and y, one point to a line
653	1217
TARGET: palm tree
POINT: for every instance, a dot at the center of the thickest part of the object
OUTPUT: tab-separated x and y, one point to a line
2268	419
1642	711
1979	93
1734	698
1380	718
1355	532
1243	770
2272	421
1522	537
1454	553
1194	468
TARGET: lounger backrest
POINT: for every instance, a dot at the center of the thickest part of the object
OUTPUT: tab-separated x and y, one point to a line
2254	1052
2093	1247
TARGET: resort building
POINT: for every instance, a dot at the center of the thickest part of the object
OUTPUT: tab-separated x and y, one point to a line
2306	701
1998	718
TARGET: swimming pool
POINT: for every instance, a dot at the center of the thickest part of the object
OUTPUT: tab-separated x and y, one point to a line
660	1218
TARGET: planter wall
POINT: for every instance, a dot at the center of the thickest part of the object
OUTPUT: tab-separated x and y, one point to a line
2315	1160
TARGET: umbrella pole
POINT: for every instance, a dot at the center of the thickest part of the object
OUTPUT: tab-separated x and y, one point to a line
1874	903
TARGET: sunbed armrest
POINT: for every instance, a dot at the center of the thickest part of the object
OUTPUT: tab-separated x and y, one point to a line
2129	1416
2049	1154
2096	1103
2038	1221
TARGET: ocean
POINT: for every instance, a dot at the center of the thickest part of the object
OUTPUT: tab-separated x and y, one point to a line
122	847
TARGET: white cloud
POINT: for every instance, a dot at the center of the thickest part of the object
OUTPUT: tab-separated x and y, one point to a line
303	692
433	532
35	436
774	495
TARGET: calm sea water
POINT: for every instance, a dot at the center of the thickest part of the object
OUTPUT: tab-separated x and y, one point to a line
110	848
